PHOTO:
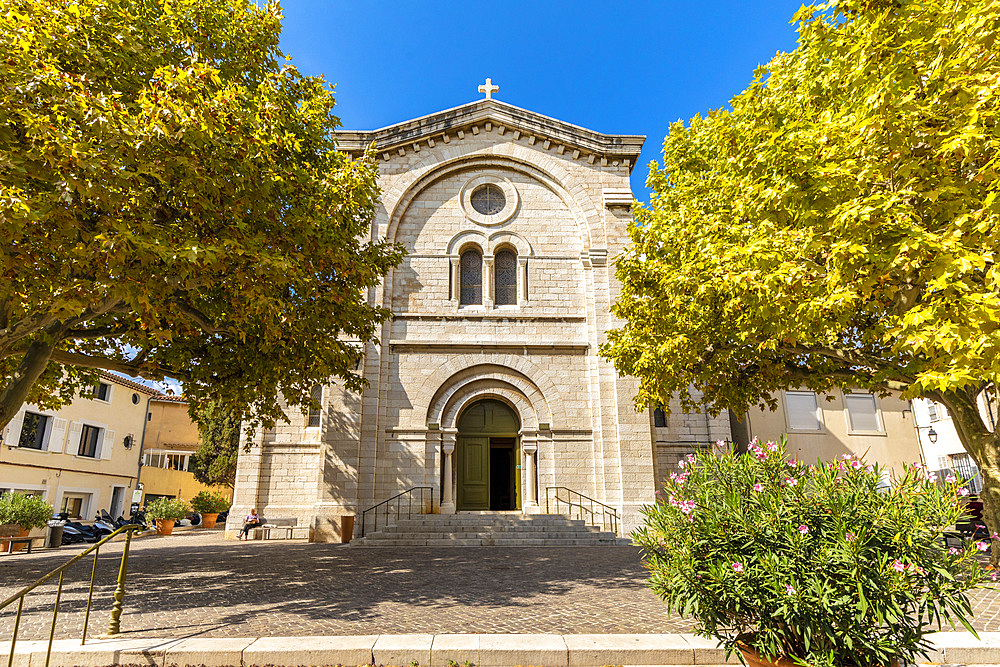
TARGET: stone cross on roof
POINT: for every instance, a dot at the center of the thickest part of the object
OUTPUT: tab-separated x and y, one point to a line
488	88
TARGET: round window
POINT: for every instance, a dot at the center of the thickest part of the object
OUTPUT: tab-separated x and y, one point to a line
488	199
135	399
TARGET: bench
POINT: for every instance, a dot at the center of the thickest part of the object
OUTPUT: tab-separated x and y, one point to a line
18	540
281	529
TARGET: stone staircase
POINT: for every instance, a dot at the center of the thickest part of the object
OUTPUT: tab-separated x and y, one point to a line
474	529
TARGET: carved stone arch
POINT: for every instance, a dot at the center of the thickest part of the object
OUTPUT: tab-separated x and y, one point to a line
462	240
482	376
397	197
438	379
479	391
513	239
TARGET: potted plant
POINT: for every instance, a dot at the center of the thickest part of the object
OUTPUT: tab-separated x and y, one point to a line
209	505
820	565
165	511
20	513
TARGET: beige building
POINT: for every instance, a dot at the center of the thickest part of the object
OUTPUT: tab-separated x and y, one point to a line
82	458
827	426
168	445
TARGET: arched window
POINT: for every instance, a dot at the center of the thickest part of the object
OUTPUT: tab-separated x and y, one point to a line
505	292
471	271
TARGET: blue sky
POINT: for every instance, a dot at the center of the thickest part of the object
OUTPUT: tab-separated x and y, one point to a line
614	67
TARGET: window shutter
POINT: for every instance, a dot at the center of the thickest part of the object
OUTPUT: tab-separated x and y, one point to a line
73	443
57	435
109	444
13	431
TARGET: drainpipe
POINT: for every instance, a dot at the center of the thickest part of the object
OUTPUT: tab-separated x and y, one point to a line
142	440
916	429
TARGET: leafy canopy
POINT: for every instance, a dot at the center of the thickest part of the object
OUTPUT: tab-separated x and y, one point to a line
173	205
837	226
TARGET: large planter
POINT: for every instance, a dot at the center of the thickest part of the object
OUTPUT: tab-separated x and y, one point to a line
164	526
753	659
208	519
12	530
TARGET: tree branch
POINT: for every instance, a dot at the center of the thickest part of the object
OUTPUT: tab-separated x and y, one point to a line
137	369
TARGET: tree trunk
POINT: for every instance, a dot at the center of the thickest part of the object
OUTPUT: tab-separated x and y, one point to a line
32	365
983	446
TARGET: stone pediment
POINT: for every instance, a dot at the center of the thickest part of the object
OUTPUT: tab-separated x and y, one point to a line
491	115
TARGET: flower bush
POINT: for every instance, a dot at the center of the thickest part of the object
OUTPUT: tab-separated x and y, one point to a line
820	563
206	501
167	508
26	511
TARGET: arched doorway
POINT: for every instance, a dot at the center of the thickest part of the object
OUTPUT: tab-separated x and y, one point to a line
489	475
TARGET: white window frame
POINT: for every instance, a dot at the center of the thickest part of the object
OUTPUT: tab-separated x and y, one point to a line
102	432
878	415
87	509
111	390
819	412
50	420
16	487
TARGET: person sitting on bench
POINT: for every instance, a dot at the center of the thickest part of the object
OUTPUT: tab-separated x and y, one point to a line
252	521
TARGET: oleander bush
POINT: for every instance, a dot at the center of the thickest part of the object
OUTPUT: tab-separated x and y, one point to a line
206	501
826	564
167	508
26	511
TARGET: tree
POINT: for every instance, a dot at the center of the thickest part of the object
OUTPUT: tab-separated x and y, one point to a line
835	227
214	462
173	205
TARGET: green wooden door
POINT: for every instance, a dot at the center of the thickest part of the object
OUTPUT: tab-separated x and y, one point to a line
473	473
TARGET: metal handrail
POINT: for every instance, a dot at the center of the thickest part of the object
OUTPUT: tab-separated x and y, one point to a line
606	513
387	503
114	627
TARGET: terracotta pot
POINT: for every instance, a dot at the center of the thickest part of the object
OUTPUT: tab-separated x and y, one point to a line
208	519
753	659
15	531
164	526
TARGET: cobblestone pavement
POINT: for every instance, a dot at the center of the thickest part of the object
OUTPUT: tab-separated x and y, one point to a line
196	582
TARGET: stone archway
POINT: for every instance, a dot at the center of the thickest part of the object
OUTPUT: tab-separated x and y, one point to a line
488	457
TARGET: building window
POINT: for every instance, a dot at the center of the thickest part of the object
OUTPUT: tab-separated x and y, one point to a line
659	418
803	411
471	270
102	392
315	414
90	438
936	411
488	199
862	413
33	431
505	290
177	462
75	504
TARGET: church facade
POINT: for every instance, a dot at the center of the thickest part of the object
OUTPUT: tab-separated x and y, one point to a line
486	386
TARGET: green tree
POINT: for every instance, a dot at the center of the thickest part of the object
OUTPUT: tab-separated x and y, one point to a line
214	462
173	205
836	226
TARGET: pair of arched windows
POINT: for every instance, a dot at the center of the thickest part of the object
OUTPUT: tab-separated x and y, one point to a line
504	278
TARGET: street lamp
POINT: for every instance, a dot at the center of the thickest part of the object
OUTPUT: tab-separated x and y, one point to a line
932	435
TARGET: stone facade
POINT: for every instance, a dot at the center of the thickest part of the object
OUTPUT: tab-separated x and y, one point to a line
564	212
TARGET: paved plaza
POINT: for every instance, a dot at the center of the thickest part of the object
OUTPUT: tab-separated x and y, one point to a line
197	583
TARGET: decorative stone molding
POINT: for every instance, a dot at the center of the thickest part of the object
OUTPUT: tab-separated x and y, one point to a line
509	192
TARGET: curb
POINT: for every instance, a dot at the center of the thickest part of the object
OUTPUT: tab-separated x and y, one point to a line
432	651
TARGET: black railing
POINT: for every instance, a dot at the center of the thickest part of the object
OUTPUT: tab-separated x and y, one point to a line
393	505
593	512
116	608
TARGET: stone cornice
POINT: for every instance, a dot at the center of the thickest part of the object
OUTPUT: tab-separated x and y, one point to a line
504	118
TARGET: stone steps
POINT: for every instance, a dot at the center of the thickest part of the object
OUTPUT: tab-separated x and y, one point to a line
484	529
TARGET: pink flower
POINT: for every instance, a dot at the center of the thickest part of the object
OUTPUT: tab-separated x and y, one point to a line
898	566
993	575
789	589
932	478
681	464
849	536
720	443
793	463
737	566
950	478
952	551
994	536
758	487
856	464
963	491
803	529
690	458
772	446
846	457
791	481
982	546
869	468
